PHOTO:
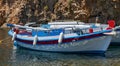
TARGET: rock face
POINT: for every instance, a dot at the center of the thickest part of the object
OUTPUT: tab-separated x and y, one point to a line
15	11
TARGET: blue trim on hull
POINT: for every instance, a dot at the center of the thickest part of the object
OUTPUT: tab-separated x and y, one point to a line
68	52
79	36
19	40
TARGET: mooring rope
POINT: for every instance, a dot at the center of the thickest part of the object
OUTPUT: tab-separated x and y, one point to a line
4	40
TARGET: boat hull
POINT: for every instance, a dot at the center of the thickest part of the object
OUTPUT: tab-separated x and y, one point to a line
85	42
116	39
94	45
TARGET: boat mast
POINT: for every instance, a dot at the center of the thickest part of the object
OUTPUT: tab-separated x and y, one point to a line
96	20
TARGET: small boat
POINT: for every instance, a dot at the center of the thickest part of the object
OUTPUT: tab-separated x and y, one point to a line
72	38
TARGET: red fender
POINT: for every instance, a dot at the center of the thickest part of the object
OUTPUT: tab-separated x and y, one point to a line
111	24
16	30
90	30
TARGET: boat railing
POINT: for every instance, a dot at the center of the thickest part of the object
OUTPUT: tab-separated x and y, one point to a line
56	31
82	31
66	23
27	27
68	30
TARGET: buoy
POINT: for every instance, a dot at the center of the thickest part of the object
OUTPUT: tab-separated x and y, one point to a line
61	36
14	35
35	40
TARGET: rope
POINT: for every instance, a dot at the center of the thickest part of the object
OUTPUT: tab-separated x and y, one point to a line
4	40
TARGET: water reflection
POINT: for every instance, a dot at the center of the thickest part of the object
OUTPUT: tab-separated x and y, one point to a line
23	56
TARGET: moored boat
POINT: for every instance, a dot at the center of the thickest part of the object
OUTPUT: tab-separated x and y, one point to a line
66	39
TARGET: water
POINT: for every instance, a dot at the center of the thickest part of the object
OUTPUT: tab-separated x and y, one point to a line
24	57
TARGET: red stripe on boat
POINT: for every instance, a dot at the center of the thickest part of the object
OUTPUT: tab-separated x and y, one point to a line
56	41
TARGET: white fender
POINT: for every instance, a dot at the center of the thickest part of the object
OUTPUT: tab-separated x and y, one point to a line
61	36
35	40
15	45
113	33
14	35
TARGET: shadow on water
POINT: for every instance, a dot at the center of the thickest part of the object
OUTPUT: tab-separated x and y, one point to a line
115	44
50	55
113	52
57	59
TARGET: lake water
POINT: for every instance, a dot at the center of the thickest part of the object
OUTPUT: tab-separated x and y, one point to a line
24	57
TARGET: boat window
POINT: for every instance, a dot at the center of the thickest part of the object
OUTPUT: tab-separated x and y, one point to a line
68	30
73	30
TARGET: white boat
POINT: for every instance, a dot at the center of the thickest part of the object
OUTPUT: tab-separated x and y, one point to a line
67	39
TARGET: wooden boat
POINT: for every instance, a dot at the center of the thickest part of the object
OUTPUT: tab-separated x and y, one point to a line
75	38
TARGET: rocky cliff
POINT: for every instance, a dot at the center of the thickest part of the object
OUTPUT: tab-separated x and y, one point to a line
15	11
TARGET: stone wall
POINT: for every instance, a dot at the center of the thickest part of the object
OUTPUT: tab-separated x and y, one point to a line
15	11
